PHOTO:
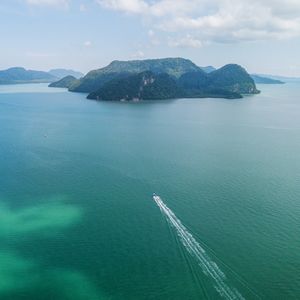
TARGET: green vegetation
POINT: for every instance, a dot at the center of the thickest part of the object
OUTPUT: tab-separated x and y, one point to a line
20	75
97	78
65	82
194	81
145	85
229	82
93	81
232	78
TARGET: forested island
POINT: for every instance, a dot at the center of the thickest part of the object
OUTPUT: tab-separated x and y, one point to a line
149	79
167	78
65	82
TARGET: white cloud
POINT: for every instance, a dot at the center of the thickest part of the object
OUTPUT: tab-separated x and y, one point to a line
154	40
138	54
185	42
129	6
151	33
87	43
223	21
82	7
58	3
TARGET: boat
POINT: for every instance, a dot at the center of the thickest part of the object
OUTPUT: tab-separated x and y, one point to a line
154	196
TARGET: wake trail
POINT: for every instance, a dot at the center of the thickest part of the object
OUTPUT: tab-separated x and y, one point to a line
208	266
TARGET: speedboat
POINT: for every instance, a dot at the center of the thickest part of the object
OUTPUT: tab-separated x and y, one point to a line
155	197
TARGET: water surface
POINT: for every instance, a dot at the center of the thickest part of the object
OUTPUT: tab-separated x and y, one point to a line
77	220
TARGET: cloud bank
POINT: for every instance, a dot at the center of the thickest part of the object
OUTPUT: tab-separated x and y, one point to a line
57	3
193	23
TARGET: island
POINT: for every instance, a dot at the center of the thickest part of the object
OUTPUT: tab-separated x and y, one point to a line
166	78
65	82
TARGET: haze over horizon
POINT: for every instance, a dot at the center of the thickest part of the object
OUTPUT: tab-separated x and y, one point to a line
261	35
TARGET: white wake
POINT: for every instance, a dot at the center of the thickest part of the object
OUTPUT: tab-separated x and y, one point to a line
208	266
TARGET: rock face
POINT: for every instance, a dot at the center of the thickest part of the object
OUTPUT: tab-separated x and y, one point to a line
65	82
21	75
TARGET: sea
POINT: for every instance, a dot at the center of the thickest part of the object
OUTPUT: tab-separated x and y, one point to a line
78	220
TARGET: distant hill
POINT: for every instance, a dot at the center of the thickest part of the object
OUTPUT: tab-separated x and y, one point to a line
208	69
280	78
233	78
65	82
95	79
21	75
265	80
230	82
61	73
230	78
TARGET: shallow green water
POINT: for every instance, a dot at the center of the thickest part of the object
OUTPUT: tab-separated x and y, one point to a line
76	216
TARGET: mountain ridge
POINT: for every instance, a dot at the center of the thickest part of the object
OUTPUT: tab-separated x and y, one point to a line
65	82
95	78
61	73
16	75
265	80
284	79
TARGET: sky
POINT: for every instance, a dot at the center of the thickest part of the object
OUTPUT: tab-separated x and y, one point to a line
261	35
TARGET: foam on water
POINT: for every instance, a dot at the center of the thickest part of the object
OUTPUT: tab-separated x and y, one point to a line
208	266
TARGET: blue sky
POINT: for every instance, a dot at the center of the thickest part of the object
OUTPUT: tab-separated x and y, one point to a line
261	35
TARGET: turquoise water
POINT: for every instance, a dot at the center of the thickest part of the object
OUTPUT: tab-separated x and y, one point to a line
77	220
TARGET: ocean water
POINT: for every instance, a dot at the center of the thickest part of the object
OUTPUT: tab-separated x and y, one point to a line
77	219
